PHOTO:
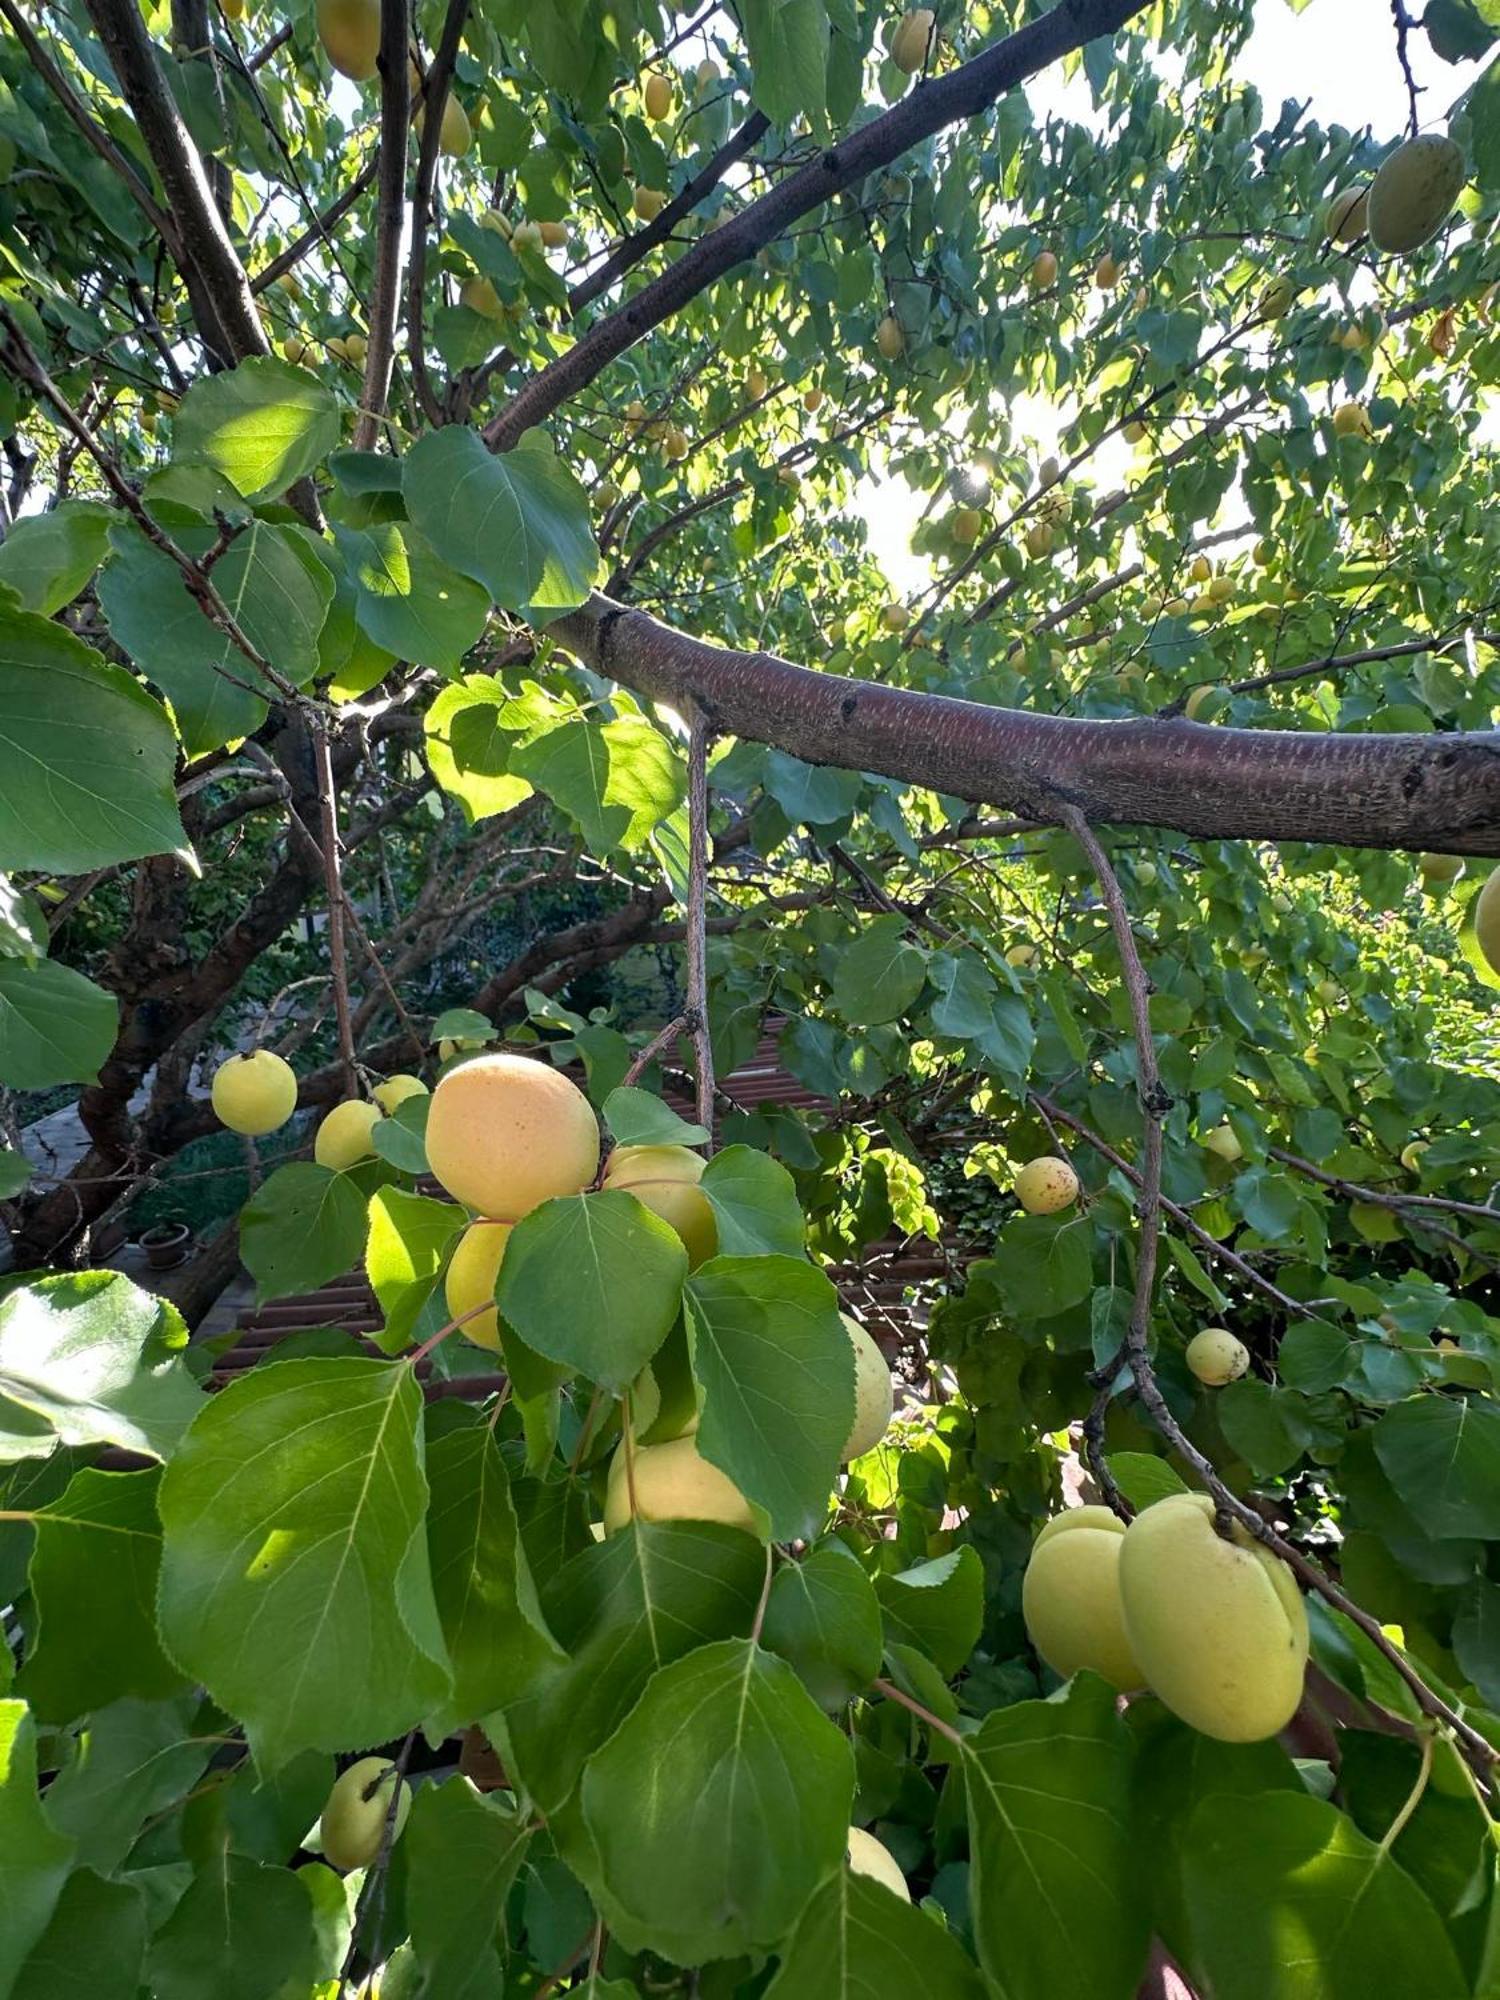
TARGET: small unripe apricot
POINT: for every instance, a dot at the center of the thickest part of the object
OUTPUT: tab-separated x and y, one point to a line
1216	1357
910	39
873	1392
648	203
890	337
396	1089
1224	1143
353	1822
344	1136
1043	271
658	95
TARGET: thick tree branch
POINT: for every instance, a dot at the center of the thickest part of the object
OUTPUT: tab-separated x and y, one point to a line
1434	793
395	116
216	279
963	93
434	97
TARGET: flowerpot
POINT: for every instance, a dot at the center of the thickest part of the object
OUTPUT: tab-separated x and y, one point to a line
166	1244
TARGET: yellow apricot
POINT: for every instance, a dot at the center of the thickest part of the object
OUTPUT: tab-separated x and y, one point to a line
396	1089
254	1093
1046	1185
353	1822
665	1179
1487	920
868	1856
873	1392
1070	1597
506	1132
470	1280
344	1136
350	33
672	1482
1218	1626
1216	1357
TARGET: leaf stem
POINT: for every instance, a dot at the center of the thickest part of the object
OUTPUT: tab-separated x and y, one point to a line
1414	1798
893	1693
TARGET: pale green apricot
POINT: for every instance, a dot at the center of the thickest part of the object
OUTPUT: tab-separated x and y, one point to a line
1070	1597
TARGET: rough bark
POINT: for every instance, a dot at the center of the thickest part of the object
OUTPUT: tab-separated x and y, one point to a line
1429	793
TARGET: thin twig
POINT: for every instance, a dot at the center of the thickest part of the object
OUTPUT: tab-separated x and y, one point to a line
662	1039
334	882
697	911
893	1693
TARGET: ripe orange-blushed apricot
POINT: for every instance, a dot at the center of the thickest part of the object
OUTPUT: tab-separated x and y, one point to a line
506	1132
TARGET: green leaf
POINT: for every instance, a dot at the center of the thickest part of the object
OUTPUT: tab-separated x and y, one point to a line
406	599
1143	1478
243	1931
409	1236
277	595
1261	1424
93	1586
518	523
295	1581
788	42
818	795
621	1609
303	1225
1476	1640
639	1118
823	1619
95	1361
55	1025
777	1372
1289	1901
95	1944
966	994
1442	1455
1048	1786
402	1138
15	1171
723	1793
89	756
48	558
1045	1263
492	1624
34	1856
132	1761
472	728
261	426
858	1941
755	1205
937	1607
1313	1356
1457	30
618	780
463	1853
880	974
593	1281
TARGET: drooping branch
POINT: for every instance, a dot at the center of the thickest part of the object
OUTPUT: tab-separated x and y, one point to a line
318	230
215	277
1135	1353
1434	793
395	113
963	93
